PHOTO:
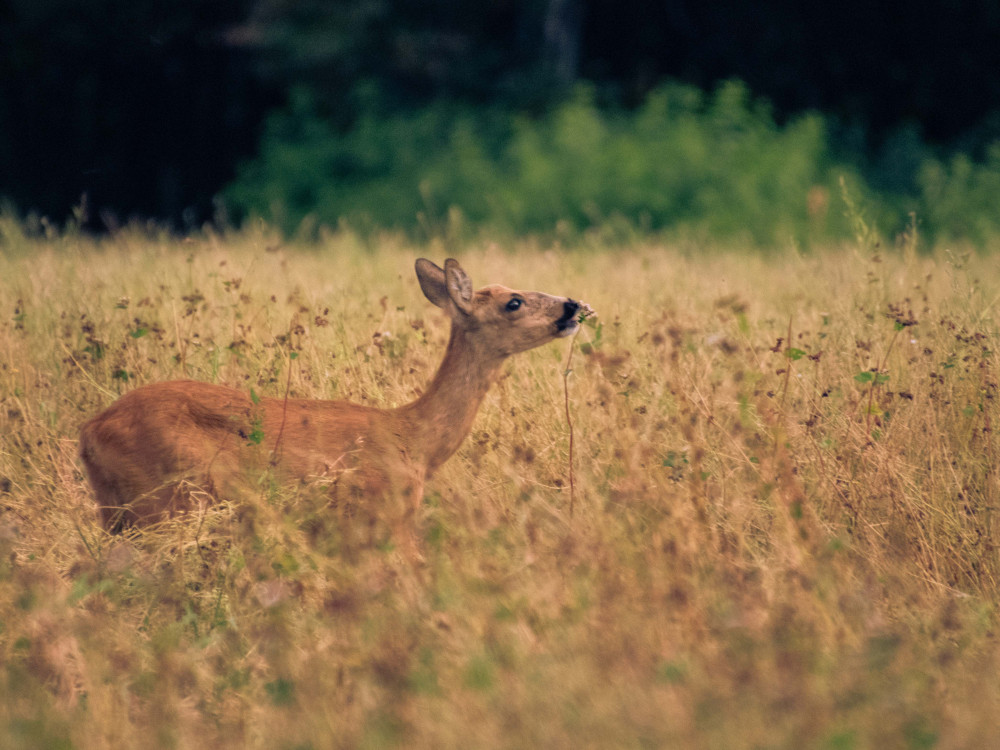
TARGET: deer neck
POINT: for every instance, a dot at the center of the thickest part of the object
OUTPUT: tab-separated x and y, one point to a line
442	417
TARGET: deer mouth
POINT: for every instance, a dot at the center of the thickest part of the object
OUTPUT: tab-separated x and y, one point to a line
568	322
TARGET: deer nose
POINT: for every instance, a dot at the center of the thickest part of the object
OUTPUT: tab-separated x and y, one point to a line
570	308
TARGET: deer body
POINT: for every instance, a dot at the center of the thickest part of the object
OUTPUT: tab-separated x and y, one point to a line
149	451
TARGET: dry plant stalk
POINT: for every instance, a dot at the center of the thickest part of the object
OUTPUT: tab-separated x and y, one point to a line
586	311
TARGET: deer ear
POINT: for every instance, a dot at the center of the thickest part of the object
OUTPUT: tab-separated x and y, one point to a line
459	285
432	282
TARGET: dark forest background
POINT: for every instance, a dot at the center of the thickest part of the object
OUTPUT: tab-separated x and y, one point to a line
397	112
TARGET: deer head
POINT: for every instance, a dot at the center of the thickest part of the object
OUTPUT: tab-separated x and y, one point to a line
505	321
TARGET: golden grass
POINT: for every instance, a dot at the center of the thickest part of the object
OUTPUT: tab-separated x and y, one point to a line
784	533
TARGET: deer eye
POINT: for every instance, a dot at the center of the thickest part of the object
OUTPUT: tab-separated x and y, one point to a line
514	305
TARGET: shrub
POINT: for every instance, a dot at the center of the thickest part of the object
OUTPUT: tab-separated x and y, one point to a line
682	162
958	199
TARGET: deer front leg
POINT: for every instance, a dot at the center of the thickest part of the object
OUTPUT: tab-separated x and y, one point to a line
406	529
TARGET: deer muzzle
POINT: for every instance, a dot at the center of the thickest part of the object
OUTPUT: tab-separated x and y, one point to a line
568	322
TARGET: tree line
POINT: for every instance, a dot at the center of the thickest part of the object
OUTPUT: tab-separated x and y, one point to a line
148	109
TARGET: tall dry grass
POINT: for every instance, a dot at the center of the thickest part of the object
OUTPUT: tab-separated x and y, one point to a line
784	532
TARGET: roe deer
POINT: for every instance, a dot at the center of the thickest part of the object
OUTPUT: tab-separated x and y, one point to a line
145	452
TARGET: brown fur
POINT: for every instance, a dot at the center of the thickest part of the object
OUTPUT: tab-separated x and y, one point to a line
156	448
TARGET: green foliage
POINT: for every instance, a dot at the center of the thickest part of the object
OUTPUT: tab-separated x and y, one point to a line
865	377
256	435
958	199
683	161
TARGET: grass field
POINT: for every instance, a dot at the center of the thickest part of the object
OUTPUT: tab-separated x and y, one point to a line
784	530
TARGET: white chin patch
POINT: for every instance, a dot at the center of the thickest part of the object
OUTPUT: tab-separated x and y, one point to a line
568	330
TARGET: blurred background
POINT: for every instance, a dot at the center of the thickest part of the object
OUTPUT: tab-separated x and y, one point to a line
771	122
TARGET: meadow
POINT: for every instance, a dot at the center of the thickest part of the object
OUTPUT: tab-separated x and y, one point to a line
779	528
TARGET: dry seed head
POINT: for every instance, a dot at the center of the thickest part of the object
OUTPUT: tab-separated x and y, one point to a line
586	311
